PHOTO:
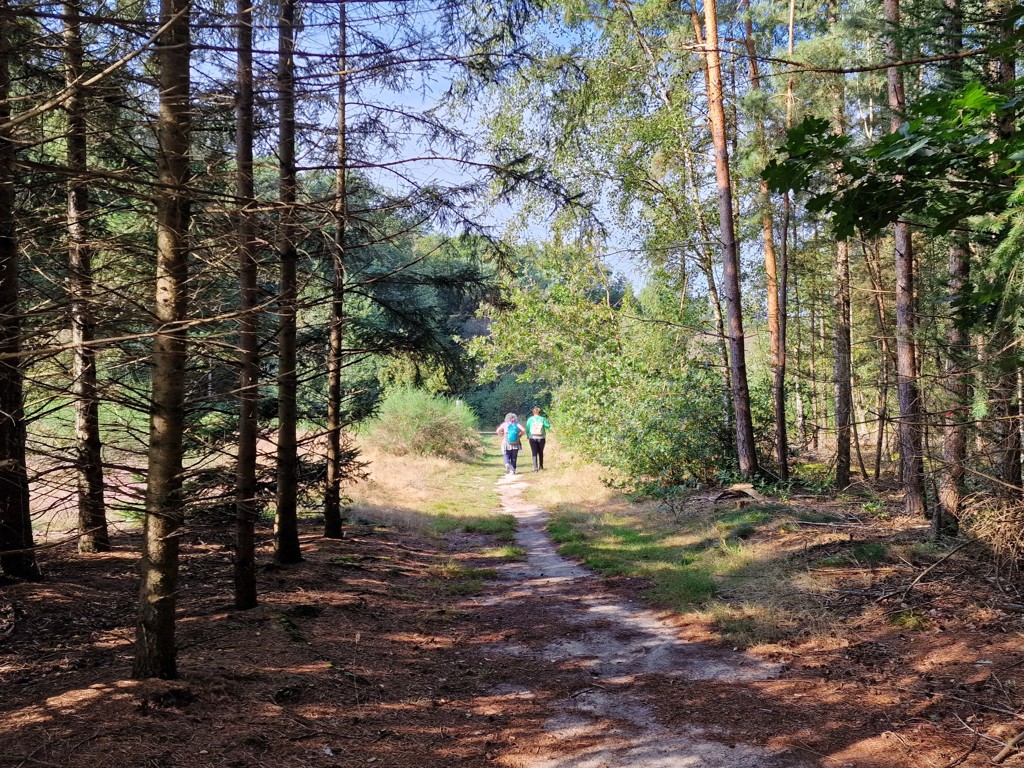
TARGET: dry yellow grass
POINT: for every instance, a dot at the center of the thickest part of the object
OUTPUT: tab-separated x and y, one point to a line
412	492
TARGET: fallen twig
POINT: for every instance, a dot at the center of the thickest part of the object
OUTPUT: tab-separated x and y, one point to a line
938	562
974	745
1009	749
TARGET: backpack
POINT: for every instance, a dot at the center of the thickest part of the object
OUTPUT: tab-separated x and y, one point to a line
512	433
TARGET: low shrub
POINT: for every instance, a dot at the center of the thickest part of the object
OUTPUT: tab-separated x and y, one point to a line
417	422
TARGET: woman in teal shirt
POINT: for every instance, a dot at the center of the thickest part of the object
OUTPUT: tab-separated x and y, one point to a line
537	427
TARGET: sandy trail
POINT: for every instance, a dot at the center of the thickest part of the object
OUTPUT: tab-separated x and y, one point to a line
609	723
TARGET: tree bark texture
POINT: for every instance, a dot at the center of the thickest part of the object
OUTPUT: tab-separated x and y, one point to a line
745	448
248	340
1006	407
155	652
776	339
17	556
958	387
333	522
842	368
286	526
958	345
907	391
92	519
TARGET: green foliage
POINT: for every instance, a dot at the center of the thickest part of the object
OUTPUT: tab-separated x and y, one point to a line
813	476
413	421
491	401
944	164
681	557
869	552
502	527
633	387
914	621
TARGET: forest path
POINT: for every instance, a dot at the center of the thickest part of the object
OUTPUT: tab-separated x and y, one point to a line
605	664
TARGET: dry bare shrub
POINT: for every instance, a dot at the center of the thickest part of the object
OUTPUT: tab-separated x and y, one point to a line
999	524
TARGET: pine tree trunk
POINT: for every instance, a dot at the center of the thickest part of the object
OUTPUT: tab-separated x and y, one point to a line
154	637
286	525
842	366
873	265
776	340
248	340
957	373
92	518
17	556
745	448
333	522
907	392
958	385
1004	392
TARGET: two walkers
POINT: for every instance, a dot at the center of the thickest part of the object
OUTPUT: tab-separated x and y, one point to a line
511	432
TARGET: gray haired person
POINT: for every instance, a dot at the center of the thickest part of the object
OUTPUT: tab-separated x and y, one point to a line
511	432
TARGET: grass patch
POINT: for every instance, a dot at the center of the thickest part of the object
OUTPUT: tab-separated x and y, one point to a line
502	527
835	561
909	620
507	552
684	559
687	585
432	494
869	552
457	579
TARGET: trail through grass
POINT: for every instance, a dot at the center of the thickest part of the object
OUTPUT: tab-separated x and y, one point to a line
435	495
721	563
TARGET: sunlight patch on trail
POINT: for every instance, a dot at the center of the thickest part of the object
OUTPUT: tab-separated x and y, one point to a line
605	723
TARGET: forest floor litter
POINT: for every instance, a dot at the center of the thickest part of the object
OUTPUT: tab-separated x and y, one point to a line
394	648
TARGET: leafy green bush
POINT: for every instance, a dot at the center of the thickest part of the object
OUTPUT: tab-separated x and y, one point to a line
658	433
506	394
414	421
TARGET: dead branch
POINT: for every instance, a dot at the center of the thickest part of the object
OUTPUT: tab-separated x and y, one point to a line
1009	749
956	761
937	563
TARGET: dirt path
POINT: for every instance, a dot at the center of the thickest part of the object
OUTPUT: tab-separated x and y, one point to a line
599	665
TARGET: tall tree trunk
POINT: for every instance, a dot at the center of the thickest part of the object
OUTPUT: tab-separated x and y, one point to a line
779	379
813	373
776	340
945	521
17	554
842	366
286	525
874	270
332	496
1002	73
248	340
798	372
958	385
911	460
154	635
92	518
745	448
